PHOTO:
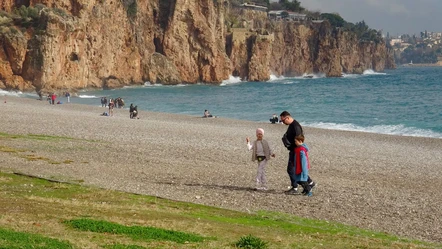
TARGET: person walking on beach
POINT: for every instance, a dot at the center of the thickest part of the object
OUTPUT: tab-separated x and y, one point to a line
302	165
131	111
261	153
53	97
111	107
68	96
294	130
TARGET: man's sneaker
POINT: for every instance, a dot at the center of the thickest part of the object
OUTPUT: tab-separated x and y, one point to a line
312	184
292	191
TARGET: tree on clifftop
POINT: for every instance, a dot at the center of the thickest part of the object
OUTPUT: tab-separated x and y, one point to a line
334	19
293	5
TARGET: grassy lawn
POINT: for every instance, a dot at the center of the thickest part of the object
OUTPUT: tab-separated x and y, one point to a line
36	213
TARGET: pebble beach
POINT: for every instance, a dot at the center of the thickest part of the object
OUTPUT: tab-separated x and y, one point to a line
381	182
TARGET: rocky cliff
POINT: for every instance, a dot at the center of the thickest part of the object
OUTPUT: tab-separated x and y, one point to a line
49	45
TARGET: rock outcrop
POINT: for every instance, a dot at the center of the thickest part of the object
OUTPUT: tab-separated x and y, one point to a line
49	45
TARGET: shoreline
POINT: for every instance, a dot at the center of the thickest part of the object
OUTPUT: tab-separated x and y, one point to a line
382	182
435	134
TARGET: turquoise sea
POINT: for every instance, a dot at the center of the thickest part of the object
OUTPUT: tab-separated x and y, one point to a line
405	101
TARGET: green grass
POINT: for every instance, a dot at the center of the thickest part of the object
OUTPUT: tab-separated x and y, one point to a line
12	240
33	136
135	232
40	212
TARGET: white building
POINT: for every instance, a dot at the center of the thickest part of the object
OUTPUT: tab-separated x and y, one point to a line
395	41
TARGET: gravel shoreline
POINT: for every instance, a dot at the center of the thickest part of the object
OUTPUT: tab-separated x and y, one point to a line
381	182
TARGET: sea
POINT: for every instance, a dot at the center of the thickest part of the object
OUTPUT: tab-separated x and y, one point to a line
406	101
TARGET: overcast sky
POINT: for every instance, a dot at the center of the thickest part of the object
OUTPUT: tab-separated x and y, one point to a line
394	16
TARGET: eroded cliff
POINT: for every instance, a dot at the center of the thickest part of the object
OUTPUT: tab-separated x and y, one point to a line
50	45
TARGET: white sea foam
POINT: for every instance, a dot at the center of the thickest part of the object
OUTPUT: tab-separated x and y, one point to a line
231	80
283	80
399	130
344	75
87	96
312	76
11	93
149	84
371	72
131	87
276	78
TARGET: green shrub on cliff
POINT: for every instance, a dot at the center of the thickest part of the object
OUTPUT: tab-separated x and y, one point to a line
29	13
26	16
5	21
131	7
60	12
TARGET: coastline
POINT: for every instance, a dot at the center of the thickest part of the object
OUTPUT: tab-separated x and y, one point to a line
422	65
382	182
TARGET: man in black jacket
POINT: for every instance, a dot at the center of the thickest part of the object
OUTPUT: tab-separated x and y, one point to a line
294	130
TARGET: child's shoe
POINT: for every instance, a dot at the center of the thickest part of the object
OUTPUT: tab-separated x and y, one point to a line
309	194
292	191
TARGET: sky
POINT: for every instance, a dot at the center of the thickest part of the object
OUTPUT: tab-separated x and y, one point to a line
394	16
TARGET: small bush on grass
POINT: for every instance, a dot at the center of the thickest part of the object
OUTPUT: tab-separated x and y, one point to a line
251	242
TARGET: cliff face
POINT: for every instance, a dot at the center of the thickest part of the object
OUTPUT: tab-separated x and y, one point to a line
296	49
77	44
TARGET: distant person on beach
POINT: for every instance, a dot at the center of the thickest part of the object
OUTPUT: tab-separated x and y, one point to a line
207	114
131	110
68	96
274	119
49	99
261	153
53	98
111	107
302	165
294	130
136	112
